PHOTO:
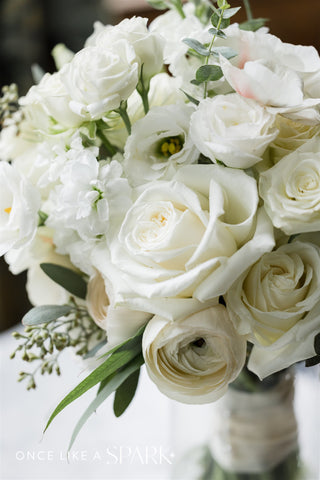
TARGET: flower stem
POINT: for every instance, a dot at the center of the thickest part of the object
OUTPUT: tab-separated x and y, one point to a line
248	9
122	110
210	48
110	148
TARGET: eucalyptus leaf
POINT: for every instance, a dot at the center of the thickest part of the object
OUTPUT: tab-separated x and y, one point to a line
68	279
158	4
45	314
110	366
192	99
125	393
107	387
215	20
208	73
197	46
230	12
218	33
226	52
253	24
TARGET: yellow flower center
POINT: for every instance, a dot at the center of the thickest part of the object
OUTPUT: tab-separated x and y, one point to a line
170	146
8	210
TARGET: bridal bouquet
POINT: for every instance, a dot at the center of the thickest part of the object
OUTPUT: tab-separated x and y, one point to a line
162	190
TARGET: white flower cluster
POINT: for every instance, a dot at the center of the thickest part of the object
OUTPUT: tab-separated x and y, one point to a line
177	207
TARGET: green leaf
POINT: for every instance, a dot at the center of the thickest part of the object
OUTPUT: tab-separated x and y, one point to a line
230	12
215	20
117	360
197	46
317	344
135	338
253	24
218	33
68	279
208	73
45	314
42	218
226	52
192	99
125	393
112	383
95	349
158	4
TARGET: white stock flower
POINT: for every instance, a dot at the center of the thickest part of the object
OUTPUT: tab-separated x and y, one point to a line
232	129
98	78
194	359
120	323
19	205
291	190
188	237
159	143
277	304
148	46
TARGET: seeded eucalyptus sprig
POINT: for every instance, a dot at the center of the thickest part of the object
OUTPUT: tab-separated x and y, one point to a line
49	330
8	103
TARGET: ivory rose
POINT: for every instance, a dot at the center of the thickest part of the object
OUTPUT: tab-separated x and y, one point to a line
277	305
194	359
188	237
291	190
232	129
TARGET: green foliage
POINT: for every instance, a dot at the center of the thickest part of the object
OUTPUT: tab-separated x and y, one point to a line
226	52
197	46
192	99
42	218
208	73
217	32
158	4
125	392
253	24
45	314
72	281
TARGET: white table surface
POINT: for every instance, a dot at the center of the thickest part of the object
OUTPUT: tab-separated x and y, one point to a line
142	444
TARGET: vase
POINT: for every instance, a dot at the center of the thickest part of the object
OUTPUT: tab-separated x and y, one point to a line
249	434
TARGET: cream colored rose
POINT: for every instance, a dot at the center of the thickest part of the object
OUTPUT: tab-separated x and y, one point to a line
277	304
291	190
193	360
120	323
232	129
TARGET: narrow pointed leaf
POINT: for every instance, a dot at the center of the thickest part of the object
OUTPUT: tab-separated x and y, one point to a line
109	386
197	46
192	99
66	278
45	314
113	363
125	393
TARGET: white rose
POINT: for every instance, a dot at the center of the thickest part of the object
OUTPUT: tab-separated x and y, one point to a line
277	304
232	129
147	45
189	237
291	190
120	323
193	360
51	96
159	143
19	205
98	79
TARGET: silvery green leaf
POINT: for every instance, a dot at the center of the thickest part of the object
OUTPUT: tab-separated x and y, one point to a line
208	73
45	314
230	12
66	278
253	24
215	20
218	33
125	392
197	46
226	52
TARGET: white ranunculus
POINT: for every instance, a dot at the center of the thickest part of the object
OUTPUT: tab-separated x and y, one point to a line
159	143
19	205
120	323
194	359
98	79
51	97
147	45
277	304
291	190
232	129
188	237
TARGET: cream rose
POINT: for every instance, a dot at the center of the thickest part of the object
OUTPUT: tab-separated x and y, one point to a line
291	190
188	237
277	304
159	143
193	360
232	129
120	323
98	79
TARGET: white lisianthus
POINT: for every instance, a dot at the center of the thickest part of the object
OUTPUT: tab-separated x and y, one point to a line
19	205
291	190
159	143
232	129
193	360
277	304
120	323
148	46
50	98
188	237
98	79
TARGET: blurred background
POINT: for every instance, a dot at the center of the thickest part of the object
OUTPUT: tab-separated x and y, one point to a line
29	29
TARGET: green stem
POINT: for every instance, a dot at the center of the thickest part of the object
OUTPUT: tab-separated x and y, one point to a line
122	110
248	9
210	48
111	149
178	6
